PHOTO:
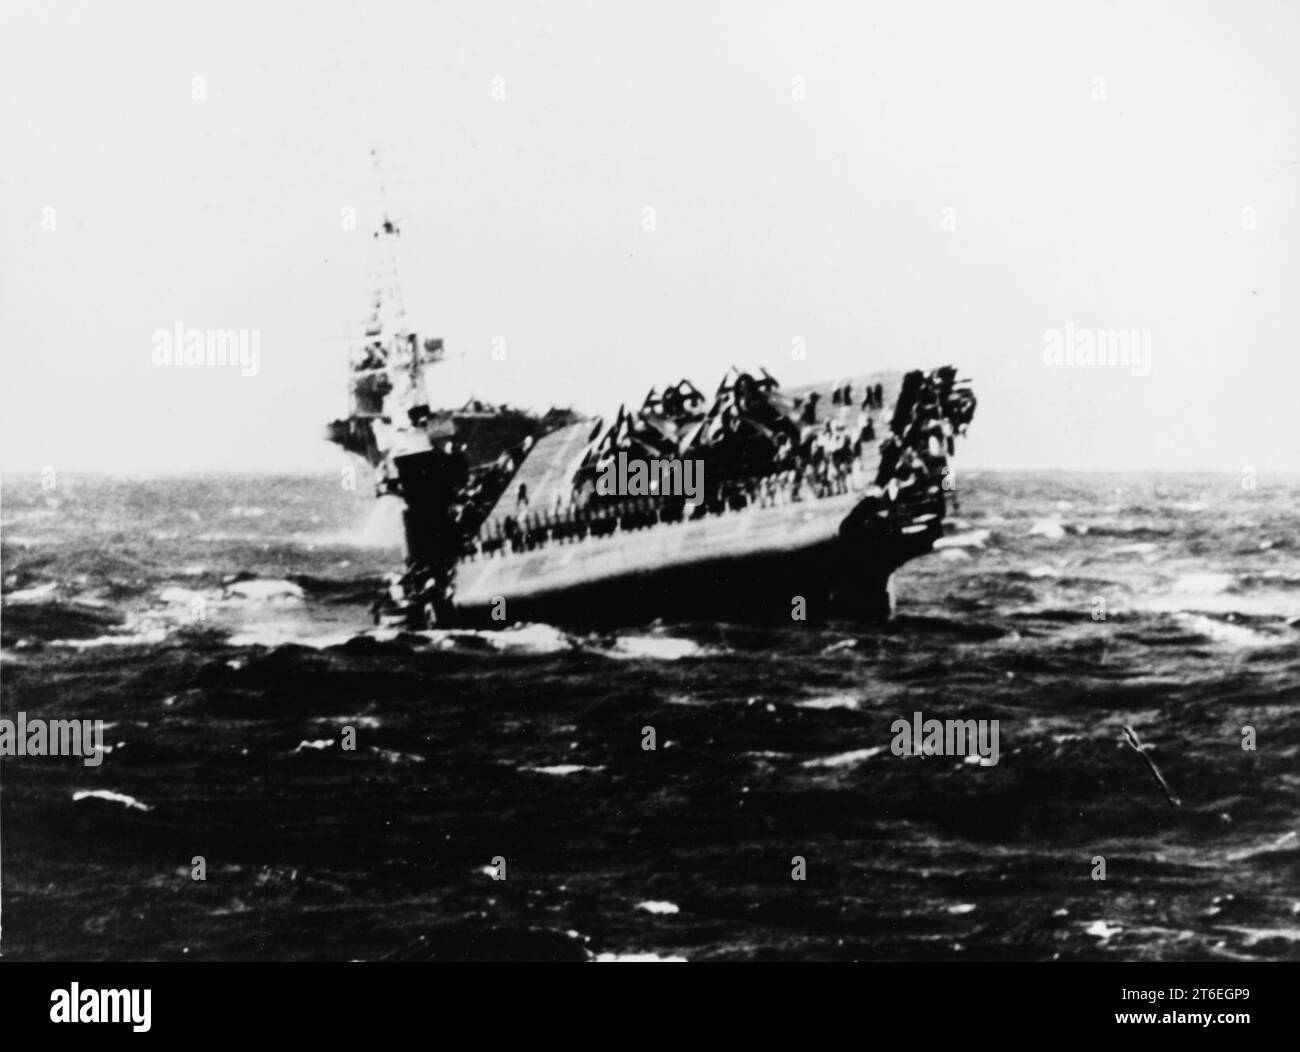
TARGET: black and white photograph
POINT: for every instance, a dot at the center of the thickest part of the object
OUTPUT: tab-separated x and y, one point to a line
710	482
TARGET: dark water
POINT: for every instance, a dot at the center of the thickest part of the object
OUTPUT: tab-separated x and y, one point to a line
227	709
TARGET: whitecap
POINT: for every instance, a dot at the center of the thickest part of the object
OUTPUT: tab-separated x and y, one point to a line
830	701
1103	930
561	769
366	723
637	958
319	743
1286	842
1282	606
844	759
394	757
1253	936
525	638
658	906
112	797
259	590
1224	632
148	637
275	635
35	594
1049	528
529	638
661	648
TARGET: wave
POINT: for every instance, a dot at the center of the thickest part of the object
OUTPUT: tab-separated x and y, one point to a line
660	907
394	757
1289	841
1260	606
1102	930
830	701
845	759
1268	579
659	648
111	797
360	590
276	635
1204	583
36	594
528	638
971	539
636	957
1139	532
85	623
538	639
1136	548
1224	632
51	622
147	637
260	590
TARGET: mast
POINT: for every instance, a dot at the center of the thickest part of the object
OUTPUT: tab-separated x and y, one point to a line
387	282
387	363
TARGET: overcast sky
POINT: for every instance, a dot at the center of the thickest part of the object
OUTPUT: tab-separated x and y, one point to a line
893	184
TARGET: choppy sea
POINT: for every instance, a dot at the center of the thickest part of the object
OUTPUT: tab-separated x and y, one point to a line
219	626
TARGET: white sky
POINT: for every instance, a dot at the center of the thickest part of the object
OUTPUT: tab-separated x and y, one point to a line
775	218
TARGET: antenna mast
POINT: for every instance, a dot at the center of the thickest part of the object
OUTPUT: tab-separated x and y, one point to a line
388	282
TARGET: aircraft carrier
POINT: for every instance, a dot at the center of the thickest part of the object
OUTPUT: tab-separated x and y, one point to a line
806	499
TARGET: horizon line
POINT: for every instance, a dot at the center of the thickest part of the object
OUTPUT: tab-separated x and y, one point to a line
302	470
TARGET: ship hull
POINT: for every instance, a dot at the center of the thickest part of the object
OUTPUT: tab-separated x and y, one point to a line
808	513
787	563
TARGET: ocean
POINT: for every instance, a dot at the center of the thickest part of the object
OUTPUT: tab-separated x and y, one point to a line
220	627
